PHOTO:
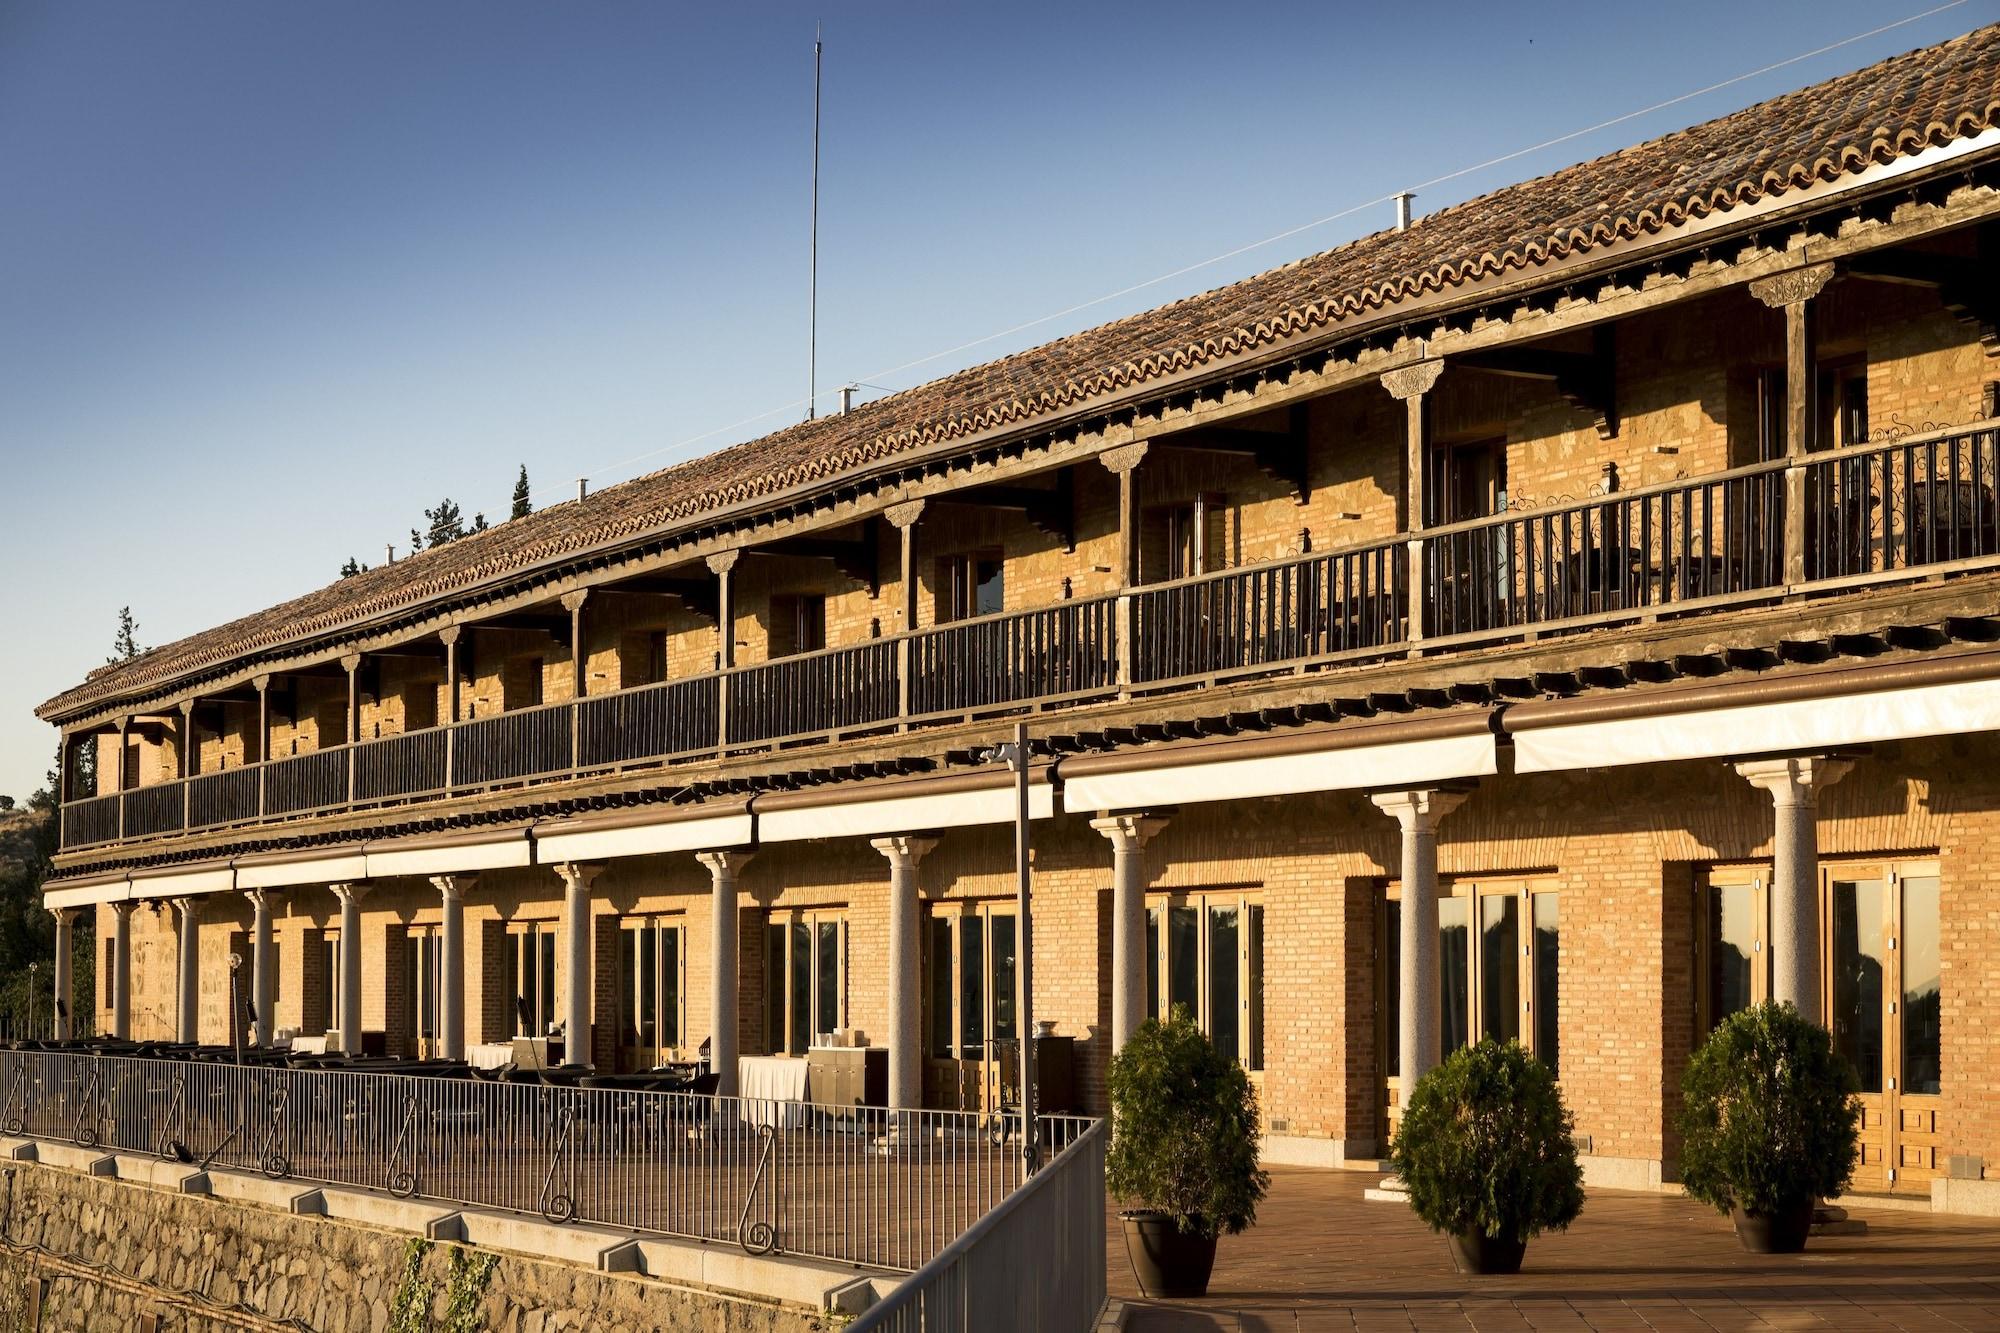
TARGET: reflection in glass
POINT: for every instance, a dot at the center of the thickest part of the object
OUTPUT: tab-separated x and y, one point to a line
801	997
1153	963
649	999
1183	965
971	988
1004	983
774	987
1923	986
1253	968
1548	955
1859	959
1732	947
542	1004
940	961
1500	966
1454	975
1225	1016
827	1015
628	1014
1392	988
670	985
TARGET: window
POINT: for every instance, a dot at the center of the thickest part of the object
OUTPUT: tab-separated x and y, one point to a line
971	585
1177	541
1499	969
798	624
423	975
642	658
1732	961
322	997
521	683
1840	411
1467	481
1206	952
805	983
652	985
109	990
1843	405
971	957
529	957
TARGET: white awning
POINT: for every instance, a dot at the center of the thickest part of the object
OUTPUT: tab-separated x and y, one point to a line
342	867
862	818
387	859
90	893
1771	728
182	883
735	829
1387	764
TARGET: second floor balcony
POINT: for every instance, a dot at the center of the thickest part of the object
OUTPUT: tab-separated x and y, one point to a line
1919	507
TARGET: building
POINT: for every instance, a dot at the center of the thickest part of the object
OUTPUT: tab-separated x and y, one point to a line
1609	566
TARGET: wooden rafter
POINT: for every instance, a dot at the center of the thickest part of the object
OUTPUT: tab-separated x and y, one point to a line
1586	380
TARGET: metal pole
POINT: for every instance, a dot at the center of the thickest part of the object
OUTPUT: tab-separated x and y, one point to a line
1026	970
812	300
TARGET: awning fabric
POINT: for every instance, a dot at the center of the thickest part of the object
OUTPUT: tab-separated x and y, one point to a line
388	859
736	829
88	893
863	818
182	883
1382	765
1770	728
343	867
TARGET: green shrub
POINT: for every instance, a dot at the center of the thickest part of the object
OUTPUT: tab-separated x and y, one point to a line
1769	1120
1486	1145
1184	1129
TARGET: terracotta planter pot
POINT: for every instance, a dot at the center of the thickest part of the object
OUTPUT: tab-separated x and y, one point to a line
1169	1263
1781	1233
1477	1252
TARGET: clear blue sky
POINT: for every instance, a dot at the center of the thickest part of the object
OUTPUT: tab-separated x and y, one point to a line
275	277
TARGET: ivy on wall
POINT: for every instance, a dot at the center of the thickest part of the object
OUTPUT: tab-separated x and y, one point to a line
468	1275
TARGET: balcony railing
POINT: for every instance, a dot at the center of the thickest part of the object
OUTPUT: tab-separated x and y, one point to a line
1901	509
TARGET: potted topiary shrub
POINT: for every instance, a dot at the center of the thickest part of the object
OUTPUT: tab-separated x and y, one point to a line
1487	1151
1769	1124
1183	1149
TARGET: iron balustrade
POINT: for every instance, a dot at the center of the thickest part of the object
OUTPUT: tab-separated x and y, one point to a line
1265	614
651	722
316	780
812	694
1902	504
1034	1262
159	808
866	1186
228	796
92	819
1624	552
507	747
1063	651
411	764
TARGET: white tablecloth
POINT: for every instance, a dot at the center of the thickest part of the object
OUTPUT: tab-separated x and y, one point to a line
489	1054
773	1089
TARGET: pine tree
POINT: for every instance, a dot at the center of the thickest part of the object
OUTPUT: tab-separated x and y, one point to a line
416	541
522	506
478	524
126	646
352	567
446	524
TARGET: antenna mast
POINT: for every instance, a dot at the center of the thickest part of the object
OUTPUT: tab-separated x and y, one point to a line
812	299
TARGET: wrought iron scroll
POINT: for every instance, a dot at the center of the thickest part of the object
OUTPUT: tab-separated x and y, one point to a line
761	1236
173	1125
402	1176
84	1133
561	1207
271	1158
14	1115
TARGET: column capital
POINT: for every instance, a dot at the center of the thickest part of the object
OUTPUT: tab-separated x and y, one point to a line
1124	458
1412	381
351	662
122	910
1797	780
62	914
189	908
721	863
1130	832
351	891
262	684
903	850
450	634
454	886
261	898
1792	286
573	601
578	874
723	561
904	515
1419	809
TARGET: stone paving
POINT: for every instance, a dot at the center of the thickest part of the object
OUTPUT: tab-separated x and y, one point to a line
1321	1258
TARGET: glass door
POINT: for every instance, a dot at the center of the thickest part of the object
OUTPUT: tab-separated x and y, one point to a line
530	963
652	974
1882	994
971	1000
423	951
1205	951
1733	957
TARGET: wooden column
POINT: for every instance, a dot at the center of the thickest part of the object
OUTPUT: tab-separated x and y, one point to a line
263	684
579	684
1411	385
720	564
187	763
903	518
118	773
450	635
353	664
1123	463
1794	293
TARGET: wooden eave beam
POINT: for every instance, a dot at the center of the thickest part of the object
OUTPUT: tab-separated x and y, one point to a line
856	557
1051	510
1588	381
1281	454
1964	283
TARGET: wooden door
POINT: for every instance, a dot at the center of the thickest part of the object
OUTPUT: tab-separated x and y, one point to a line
971	1000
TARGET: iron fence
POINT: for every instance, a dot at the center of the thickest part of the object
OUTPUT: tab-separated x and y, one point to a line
1035	1262
866	1186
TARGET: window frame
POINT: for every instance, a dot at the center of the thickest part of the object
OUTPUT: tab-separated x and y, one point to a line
782	973
517	962
1472	889
630	982
1253	1027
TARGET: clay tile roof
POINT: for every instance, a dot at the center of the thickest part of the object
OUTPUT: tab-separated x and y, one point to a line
1816	135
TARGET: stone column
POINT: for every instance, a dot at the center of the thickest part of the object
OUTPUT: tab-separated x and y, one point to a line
1418	812
723	868
350	896
263	985
451	965
189	1027
906	968
65	999
1129	835
121	972
1794	785
576	880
